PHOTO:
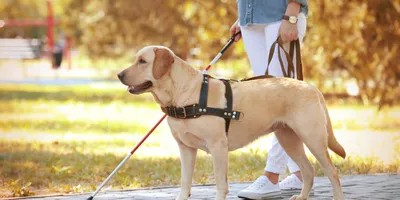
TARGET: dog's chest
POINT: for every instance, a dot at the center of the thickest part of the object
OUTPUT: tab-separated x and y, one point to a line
185	133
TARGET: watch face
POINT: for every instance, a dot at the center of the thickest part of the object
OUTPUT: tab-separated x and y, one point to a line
293	19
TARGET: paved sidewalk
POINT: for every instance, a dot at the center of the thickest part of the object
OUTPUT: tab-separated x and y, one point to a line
381	186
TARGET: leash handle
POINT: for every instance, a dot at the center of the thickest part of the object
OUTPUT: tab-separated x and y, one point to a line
295	72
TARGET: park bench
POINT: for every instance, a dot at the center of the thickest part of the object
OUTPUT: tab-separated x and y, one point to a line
19	49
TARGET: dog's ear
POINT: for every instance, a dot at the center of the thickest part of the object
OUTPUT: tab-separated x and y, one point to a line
162	62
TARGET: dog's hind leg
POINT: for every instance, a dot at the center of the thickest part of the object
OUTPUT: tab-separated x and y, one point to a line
188	158
219	153
317	142
293	146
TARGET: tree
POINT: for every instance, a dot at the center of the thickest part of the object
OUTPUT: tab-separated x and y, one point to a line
109	28
11	10
357	40
360	39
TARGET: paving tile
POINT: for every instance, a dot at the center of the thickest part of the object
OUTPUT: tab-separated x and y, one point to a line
380	186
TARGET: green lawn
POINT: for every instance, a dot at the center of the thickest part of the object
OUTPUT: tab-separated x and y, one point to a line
63	139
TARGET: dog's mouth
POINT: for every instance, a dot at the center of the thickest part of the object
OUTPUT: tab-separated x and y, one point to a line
140	88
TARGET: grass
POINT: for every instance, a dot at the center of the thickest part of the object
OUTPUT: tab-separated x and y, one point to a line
67	167
67	139
60	171
96	92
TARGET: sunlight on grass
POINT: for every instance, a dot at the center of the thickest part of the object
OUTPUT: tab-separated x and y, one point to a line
81	93
354	117
109	109
107	118
118	116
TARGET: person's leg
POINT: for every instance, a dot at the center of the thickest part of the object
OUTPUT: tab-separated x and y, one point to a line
257	43
257	51
254	43
276	162
277	155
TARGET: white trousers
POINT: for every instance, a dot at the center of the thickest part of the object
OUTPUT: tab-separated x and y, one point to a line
258	39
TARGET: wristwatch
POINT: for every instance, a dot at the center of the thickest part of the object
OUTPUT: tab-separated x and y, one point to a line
291	19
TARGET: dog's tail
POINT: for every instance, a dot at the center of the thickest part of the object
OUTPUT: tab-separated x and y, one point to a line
333	144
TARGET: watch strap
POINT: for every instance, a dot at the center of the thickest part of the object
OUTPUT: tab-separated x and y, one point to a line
286	17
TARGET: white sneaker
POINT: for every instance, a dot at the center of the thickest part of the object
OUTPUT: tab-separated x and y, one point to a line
261	188
292	184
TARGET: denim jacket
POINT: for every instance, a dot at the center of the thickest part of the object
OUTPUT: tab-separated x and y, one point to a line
265	11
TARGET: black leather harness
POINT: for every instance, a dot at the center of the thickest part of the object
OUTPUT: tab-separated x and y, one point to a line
197	110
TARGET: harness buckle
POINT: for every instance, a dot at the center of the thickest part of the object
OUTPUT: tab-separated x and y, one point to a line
184	113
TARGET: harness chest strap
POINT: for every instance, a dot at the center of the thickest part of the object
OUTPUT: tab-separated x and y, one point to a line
197	110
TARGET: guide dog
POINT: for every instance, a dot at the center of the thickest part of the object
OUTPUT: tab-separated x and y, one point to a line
294	110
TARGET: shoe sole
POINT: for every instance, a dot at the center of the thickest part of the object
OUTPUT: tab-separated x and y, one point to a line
271	195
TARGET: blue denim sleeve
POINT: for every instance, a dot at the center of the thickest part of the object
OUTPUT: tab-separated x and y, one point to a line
303	5
301	2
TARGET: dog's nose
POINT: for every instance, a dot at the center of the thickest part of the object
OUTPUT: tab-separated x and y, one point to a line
121	75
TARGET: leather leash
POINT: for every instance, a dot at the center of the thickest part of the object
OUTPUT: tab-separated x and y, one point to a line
294	45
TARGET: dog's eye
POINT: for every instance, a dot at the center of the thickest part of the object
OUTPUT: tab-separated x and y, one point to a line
141	61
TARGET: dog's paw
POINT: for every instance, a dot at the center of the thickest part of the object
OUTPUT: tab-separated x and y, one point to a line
298	197
220	198
182	197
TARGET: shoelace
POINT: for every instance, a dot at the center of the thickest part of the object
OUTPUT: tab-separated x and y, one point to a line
287	181
257	184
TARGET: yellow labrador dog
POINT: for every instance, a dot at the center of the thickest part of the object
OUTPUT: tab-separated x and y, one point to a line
294	110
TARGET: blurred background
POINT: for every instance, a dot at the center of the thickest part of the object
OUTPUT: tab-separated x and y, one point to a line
66	122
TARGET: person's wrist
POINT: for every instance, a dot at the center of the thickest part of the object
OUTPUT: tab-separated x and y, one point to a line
292	9
290	19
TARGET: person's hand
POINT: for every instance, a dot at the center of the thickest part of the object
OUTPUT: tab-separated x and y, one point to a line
234	29
288	31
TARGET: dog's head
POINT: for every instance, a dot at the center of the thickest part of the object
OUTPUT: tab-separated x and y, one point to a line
150	65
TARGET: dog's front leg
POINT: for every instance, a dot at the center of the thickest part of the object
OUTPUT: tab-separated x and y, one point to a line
219	152
188	158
